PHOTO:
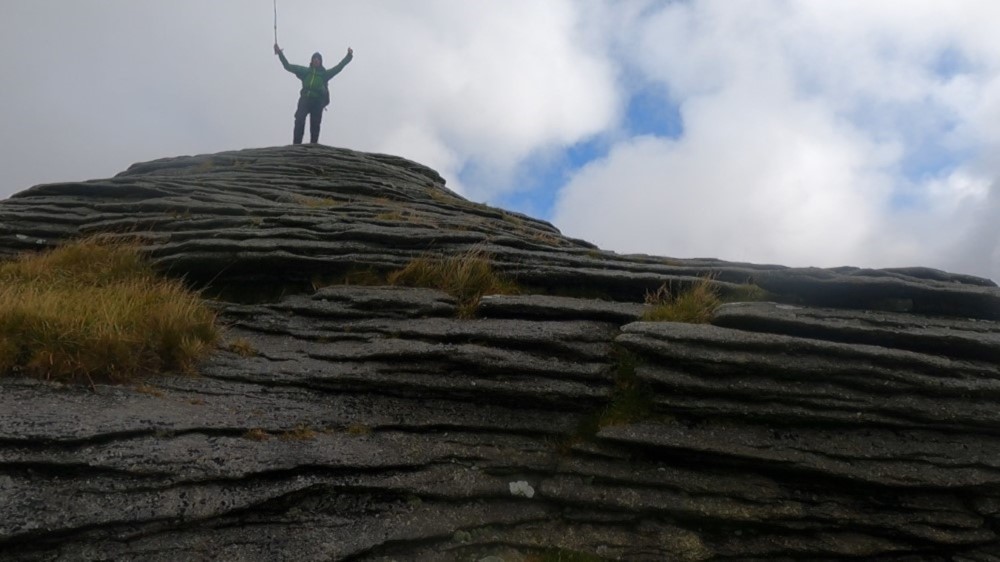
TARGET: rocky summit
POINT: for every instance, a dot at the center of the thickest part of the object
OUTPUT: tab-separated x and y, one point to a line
823	414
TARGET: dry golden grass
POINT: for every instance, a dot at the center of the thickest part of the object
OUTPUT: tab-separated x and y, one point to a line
242	347
467	277
91	311
695	305
256	434
302	432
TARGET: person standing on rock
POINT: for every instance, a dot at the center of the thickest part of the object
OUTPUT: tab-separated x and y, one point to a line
315	93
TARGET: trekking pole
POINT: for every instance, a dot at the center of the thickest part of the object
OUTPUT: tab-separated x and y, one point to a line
275	22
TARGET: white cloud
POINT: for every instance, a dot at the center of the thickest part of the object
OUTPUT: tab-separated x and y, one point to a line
487	84
805	126
95	86
781	183
816	132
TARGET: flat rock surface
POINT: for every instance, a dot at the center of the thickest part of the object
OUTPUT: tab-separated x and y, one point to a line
954	337
854	418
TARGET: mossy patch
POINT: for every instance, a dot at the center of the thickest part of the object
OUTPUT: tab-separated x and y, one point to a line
631	401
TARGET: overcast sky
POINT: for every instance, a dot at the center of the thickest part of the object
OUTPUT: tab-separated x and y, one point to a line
799	132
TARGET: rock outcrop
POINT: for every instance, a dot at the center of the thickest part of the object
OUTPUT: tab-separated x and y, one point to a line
853	415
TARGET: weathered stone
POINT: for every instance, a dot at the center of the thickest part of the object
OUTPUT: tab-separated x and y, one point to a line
856	420
890	290
558	308
786	378
953	337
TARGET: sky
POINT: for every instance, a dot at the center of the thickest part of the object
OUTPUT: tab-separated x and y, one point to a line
797	132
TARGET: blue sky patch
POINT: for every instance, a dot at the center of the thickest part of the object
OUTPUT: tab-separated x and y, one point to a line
951	62
649	112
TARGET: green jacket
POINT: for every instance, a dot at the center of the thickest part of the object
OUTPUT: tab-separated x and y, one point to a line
314	79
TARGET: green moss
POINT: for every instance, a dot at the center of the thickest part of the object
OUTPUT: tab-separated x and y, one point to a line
631	400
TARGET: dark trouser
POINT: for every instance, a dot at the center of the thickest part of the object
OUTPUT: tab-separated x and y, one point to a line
313	107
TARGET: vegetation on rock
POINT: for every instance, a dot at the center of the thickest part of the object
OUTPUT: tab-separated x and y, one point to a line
695	305
631	400
93	311
467	277
242	347
374	406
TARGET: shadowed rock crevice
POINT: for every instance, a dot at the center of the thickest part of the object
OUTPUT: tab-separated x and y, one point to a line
855	418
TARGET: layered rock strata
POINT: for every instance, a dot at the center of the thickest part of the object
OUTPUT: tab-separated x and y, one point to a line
852	418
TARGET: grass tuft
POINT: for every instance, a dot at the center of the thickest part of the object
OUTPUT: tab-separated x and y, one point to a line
94	311
746	292
695	306
242	347
301	432
467	277
256	434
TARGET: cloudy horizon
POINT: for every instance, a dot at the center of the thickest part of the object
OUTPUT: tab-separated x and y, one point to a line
797	132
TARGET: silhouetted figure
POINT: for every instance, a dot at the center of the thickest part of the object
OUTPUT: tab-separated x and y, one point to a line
315	94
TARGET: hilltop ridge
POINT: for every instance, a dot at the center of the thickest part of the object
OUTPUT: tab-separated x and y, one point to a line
822	414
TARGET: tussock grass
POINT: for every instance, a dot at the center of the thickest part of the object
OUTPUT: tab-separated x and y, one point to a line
695	306
93	311
242	347
467	277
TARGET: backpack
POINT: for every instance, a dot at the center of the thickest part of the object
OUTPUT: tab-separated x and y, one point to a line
326	95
